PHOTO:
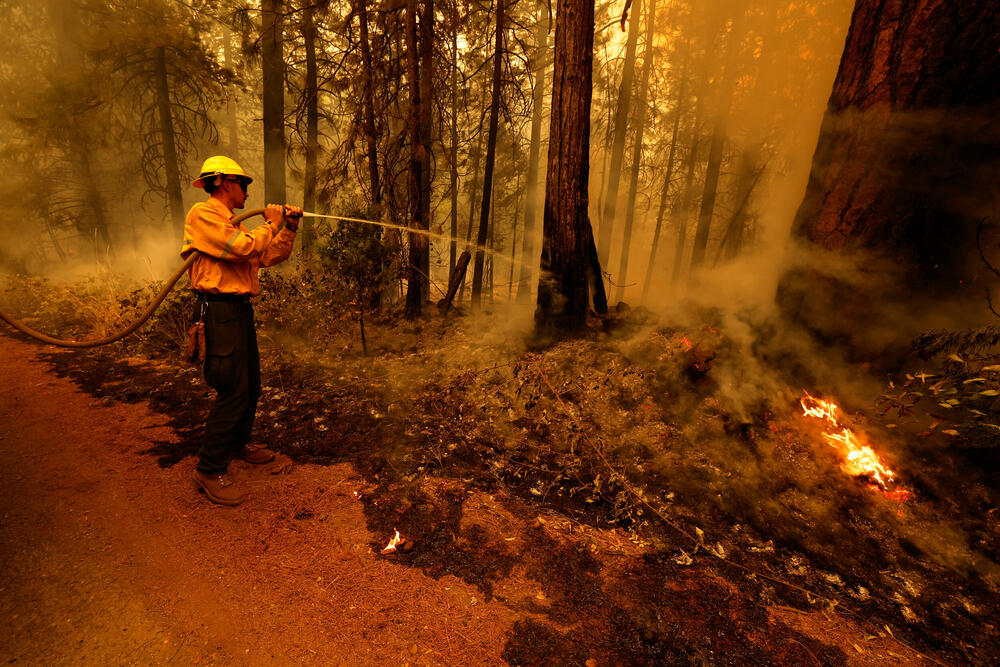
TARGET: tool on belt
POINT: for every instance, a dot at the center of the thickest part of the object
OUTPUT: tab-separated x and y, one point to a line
195	350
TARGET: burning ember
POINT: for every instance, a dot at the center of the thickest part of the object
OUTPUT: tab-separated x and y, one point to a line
860	459
397	545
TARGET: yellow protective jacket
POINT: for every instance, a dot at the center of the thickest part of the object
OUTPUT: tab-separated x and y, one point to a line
230	255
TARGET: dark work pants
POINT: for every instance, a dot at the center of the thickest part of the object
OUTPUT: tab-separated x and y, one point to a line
232	368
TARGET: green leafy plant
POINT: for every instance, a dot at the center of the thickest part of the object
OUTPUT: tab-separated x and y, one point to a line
362	262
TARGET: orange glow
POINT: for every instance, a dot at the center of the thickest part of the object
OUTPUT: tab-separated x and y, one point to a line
393	543
860	460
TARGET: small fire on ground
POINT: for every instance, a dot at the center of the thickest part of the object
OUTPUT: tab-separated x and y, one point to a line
860	460
397	545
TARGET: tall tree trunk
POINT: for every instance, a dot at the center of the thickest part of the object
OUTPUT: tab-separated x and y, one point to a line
712	170
424	127
534	152
515	158
621	127
568	241
905	166
750	173
640	125
419	79
415	179
473	198
92	192
171	168
312	124
681	214
491	149
79	142
273	69
453	160
232	120
371	136
668	177
491	245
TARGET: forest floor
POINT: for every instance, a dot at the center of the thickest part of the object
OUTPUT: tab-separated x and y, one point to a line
557	513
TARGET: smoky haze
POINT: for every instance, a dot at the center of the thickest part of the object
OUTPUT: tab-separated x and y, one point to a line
746	88
734	95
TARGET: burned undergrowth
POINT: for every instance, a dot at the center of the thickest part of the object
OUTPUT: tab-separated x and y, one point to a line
686	438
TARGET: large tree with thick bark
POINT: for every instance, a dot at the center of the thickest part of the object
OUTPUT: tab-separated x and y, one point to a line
907	157
569	256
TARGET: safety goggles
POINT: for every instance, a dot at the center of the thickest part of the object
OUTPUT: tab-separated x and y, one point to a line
244	183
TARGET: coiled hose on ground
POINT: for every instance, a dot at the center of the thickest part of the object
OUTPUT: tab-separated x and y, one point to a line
154	304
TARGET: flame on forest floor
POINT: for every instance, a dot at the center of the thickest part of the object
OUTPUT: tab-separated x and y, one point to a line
393	543
860	460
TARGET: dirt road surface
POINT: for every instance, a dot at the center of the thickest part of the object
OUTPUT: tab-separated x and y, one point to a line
107	558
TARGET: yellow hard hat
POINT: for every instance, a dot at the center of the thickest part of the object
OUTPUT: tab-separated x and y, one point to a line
219	165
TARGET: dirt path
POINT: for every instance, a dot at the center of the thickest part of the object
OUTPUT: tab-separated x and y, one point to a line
109	559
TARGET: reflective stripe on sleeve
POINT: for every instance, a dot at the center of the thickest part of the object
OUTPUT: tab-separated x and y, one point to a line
229	244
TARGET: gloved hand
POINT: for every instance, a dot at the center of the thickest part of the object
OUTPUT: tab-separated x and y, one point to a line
293	215
275	213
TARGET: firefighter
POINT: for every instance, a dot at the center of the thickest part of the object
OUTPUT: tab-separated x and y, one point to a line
224	278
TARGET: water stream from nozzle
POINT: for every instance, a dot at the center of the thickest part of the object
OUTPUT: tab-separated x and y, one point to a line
423	232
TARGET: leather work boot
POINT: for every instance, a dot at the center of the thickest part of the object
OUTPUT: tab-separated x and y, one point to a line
218	487
256	454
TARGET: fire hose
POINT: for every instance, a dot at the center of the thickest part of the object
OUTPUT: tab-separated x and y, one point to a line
456	280
154	304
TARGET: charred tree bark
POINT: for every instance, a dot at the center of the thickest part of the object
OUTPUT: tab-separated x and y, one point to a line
640	125
534	152
905	163
273	69
491	149
568	253
621	127
312	124
171	167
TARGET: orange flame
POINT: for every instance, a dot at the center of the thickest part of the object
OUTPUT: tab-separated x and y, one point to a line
859	458
393	543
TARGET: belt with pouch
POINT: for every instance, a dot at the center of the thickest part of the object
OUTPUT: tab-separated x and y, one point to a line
232	298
